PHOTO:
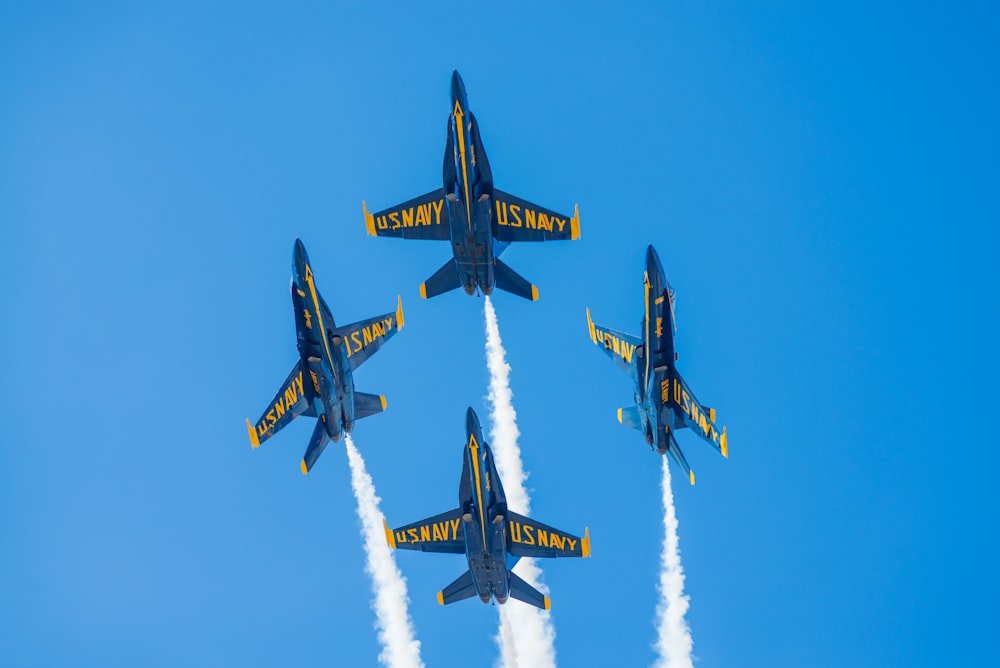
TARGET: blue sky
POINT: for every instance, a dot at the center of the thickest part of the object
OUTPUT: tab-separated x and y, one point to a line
820	183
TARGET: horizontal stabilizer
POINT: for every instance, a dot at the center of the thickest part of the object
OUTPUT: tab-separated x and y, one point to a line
523	591
675	452
459	590
510	281
444	280
367	404
630	417
316	446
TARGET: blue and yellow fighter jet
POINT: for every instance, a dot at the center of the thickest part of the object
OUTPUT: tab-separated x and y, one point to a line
322	383
479	220
664	402
492	537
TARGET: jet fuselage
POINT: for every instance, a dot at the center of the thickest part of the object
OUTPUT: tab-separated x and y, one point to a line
468	188
328	377
484	509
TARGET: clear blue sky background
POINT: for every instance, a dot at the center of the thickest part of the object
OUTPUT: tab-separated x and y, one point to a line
821	184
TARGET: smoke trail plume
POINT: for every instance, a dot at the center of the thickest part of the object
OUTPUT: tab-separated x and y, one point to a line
532	628
400	649
673	643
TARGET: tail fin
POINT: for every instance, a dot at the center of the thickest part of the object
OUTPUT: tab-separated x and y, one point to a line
630	417
443	280
523	591
459	590
510	281
367	404
316	445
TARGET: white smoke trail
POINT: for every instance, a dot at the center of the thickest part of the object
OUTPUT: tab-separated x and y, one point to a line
673	643
526	633
400	649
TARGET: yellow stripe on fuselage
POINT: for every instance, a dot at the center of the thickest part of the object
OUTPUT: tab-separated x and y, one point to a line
649	347
319	314
461	151
474	449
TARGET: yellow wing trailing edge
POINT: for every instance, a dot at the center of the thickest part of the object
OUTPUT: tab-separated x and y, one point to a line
254	441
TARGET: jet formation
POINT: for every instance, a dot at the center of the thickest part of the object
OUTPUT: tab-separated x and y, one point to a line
490	535
321	384
479	220
664	402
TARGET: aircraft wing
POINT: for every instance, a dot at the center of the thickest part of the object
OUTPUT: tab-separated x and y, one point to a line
424	217
441	533
364	338
528	538
515	219
622	348
289	403
701	420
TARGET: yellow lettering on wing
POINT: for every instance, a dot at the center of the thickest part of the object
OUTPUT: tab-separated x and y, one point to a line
438	205
529	535
382	222
530	219
425	532
501	208
356	340
572	543
454	529
436	532
543	538
515	211
561	222
515	532
412	533
423	216
407	217
394	217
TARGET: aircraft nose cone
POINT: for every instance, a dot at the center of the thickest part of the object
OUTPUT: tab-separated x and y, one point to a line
457	89
472	426
653	265
301	259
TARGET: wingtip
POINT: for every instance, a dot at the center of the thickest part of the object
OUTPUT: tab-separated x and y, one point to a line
585	543
254	440
305	469
369	220
399	312
440	598
590	326
574	224
619	416
691	473
548	603
724	443
381	398
423	291
534	293
389	538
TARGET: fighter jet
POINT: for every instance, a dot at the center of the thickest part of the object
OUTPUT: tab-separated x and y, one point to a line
664	402
491	536
321	385
479	220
